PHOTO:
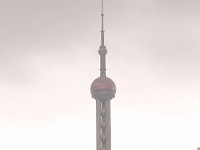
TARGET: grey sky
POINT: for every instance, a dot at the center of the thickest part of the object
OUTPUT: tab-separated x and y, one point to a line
48	59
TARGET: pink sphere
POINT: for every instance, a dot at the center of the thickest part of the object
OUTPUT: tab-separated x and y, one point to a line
103	84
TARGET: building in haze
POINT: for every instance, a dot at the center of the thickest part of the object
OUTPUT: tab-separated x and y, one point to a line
103	89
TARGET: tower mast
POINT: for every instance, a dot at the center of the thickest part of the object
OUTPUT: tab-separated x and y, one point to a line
102	24
102	49
103	89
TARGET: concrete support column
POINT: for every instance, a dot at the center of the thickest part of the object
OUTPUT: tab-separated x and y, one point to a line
98	127
103	125
108	125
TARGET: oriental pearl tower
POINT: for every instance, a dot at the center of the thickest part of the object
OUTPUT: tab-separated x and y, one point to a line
103	89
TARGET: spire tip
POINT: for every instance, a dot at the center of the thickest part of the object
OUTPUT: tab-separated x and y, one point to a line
102	7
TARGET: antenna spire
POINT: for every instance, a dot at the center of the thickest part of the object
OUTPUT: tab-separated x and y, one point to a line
102	24
102	49
102	7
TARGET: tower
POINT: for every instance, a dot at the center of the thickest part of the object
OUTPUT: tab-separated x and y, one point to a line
103	89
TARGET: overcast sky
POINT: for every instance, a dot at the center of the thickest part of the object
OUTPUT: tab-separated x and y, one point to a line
49	58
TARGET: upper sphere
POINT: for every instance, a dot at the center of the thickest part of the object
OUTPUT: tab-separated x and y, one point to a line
102	50
103	84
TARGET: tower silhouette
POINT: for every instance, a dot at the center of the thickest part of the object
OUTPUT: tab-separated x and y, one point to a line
103	89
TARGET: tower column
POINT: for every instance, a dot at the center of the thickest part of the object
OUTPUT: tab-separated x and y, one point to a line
98	122
108	125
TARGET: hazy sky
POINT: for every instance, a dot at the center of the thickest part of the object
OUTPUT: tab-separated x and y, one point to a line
48	60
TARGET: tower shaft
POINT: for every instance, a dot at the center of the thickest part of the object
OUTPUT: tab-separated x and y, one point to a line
103	125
